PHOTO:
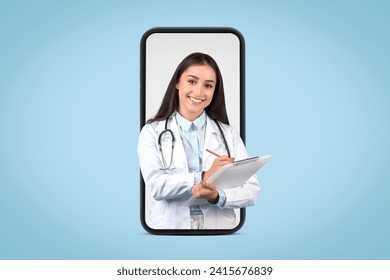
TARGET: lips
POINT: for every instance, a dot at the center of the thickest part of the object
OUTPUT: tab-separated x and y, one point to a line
198	101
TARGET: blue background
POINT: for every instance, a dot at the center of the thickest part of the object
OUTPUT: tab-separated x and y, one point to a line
318	89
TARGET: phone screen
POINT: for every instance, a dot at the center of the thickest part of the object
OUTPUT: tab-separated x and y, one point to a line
162	50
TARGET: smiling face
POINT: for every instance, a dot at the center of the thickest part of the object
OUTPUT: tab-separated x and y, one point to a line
196	89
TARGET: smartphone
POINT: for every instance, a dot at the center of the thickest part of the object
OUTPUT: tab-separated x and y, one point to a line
161	51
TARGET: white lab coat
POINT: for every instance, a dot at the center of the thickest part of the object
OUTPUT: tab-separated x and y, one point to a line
171	188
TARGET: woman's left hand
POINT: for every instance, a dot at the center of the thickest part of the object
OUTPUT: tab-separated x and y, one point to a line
205	190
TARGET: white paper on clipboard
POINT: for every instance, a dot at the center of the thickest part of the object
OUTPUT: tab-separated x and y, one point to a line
237	173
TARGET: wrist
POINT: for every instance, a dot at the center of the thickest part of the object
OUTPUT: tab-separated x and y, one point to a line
214	201
205	176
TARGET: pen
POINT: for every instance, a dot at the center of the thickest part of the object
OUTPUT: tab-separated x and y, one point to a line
211	152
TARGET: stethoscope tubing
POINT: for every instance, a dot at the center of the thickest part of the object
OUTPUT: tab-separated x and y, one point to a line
173	142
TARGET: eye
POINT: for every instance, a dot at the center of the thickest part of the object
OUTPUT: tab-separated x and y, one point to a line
192	82
209	86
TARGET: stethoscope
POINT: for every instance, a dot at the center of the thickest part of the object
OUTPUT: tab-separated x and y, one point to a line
167	167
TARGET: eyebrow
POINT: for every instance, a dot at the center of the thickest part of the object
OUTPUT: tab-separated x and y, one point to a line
198	78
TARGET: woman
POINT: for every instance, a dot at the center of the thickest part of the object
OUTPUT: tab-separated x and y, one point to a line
173	158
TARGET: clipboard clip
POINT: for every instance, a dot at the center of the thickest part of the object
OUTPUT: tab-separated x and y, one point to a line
246	159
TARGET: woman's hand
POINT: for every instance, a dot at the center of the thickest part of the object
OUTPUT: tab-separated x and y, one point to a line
217	164
205	190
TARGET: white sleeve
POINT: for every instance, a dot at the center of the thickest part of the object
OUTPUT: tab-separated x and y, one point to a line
246	194
160	183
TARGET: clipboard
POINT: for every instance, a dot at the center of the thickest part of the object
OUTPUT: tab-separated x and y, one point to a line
237	173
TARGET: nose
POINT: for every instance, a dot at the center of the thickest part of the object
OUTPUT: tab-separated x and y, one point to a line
198	90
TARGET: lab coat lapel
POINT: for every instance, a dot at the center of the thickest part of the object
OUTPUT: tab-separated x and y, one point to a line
211	142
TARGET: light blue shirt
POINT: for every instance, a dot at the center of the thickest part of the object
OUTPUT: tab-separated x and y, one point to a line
192	135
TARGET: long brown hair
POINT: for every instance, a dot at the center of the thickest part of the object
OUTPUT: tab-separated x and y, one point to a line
216	109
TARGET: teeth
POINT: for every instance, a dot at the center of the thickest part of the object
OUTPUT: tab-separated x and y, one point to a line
196	100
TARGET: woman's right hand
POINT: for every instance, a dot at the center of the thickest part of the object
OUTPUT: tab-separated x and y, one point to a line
217	164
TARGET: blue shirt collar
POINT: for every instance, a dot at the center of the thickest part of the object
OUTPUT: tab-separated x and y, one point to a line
186	124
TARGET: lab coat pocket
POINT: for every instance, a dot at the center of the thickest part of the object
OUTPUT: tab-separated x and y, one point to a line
157	219
228	219
216	218
216	147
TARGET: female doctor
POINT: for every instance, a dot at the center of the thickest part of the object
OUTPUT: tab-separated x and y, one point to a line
173	158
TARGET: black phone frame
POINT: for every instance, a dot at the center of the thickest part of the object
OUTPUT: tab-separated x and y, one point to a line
143	119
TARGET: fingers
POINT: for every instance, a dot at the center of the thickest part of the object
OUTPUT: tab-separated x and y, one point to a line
217	164
208	186
223	160
205	190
